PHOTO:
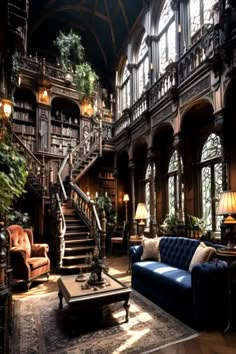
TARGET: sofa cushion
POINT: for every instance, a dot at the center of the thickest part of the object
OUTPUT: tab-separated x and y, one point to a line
202	254
178	251
163	274
151	249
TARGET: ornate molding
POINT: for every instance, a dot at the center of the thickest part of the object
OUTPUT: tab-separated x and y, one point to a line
196	90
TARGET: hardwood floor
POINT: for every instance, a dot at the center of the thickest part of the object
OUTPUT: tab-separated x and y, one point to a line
205	343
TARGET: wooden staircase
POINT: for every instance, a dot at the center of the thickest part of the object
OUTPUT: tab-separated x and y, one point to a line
79	246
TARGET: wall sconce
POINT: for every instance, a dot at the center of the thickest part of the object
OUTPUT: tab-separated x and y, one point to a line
6	107
125	200
141	214
227	206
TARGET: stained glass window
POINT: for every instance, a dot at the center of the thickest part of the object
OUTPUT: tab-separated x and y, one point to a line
142	66
173	183
125	89
200	14
167	37
211	181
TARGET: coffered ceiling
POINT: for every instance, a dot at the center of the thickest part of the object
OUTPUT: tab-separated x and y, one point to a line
104	26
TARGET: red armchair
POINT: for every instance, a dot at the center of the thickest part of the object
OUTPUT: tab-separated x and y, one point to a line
28	260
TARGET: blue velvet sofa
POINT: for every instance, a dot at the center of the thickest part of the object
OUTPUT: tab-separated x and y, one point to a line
198	298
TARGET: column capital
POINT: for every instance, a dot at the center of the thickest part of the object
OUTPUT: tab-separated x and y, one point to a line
177	141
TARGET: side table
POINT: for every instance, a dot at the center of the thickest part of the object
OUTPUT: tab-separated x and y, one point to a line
228	255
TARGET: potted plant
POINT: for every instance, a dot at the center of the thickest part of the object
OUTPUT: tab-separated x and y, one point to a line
169	225
103	203
72	59
195	225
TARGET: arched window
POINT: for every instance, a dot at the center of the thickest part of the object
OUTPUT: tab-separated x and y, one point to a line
173	183
148	176
167	37
142	66
211	181
124	97
200	14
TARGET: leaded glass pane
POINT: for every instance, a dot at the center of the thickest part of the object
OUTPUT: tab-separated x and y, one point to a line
171	195
171	40
208	10
162	54
206	196
165	16
140	79
148	172
194	16
173	164
211	148
146	70
147	193
143	49
218	190
125	73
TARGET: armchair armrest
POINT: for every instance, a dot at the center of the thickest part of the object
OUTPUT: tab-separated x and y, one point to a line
135	253
39	250
210	289
18	253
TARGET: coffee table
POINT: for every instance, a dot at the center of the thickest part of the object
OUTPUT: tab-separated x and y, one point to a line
95	296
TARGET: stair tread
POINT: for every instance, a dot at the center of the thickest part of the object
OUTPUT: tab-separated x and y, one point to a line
87	247
77	266
79	240
75	257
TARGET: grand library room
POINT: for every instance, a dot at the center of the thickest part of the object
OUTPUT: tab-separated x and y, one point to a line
117	177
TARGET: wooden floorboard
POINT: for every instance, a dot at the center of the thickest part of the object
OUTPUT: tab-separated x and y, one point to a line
207	343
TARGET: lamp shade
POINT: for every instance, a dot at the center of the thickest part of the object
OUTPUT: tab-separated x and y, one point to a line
126	198
227	205
141	211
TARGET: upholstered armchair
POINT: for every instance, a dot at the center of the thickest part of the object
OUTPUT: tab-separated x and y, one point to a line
28	260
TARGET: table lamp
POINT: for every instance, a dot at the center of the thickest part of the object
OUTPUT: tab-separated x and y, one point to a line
227	206
126	199
141	214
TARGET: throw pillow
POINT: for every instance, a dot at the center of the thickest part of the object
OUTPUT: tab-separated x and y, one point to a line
151	249
202	254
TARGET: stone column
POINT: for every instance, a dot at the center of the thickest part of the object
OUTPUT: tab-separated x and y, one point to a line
219	120
133	228
153	222
179	209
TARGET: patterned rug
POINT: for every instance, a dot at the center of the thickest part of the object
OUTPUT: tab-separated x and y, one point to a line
40	327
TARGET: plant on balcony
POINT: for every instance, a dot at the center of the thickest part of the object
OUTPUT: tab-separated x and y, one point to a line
169	225
72	58
103	203
13	176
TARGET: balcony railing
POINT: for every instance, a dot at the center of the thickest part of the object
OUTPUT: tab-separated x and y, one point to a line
175	75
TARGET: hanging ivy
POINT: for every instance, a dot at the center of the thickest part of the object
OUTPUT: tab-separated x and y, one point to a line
72	58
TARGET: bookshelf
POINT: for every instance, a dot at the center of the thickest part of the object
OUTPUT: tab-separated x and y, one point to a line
107	184
24	117
64	125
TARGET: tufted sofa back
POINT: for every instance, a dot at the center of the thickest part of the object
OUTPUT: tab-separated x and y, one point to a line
20	239
177	251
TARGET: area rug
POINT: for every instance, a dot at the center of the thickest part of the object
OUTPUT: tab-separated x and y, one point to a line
40	327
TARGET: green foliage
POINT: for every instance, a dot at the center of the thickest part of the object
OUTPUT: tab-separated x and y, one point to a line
195	223
169	225
18	218
70	49
71	57
13	176
103	203
85	77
